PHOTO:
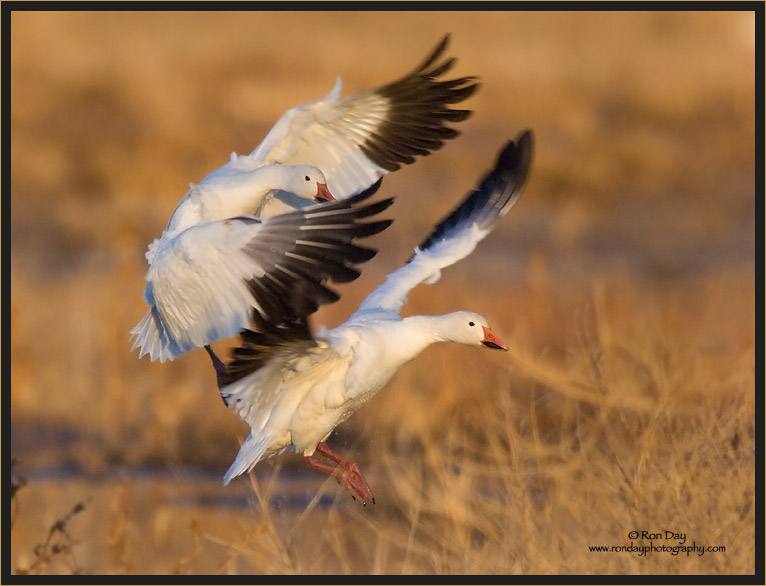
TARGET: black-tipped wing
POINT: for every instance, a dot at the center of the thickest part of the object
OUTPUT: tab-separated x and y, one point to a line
494	195
457	235
300	251
205	283
417	113
355	140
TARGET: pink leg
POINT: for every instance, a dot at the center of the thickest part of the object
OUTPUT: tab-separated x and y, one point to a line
346	473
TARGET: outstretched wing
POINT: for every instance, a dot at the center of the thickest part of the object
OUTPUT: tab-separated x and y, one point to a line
357	139
458	234
204	283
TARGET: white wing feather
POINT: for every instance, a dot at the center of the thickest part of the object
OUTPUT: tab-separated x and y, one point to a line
197	290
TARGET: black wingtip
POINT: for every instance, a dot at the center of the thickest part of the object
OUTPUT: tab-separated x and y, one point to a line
512	165
497	191
221	372
436	53
418	113
373	208
517	160
524	145
357	197
371	190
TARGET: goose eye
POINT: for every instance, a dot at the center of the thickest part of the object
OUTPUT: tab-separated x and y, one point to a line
308	178
470	323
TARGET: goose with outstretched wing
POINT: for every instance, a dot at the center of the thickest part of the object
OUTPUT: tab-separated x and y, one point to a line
294	387
326	150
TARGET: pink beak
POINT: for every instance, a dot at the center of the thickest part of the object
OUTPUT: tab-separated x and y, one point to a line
492	341
323	193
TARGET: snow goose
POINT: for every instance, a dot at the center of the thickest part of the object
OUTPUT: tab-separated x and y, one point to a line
347	143
356	139
293	388
206	281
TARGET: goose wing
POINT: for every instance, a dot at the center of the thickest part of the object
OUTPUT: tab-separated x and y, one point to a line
204	283
356	139
458	233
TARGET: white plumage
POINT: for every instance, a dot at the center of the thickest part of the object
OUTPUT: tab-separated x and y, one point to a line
293	388
328	149
205	282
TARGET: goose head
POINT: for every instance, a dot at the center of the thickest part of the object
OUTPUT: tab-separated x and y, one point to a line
308	182
471	329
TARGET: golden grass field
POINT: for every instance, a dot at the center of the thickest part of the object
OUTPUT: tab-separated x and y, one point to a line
623	282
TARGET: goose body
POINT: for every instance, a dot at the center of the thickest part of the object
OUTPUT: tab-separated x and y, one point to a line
293	388
328	149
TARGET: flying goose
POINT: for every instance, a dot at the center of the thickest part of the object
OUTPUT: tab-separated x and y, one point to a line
294	387
359	138
322	151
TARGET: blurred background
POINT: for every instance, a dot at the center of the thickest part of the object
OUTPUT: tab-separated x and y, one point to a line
633	242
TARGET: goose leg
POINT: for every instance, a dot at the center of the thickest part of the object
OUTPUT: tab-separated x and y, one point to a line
346	473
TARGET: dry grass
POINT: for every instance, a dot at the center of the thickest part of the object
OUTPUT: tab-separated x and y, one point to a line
624	282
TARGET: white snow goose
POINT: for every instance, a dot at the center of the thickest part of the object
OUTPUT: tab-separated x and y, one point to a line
346	143
357	139
294	388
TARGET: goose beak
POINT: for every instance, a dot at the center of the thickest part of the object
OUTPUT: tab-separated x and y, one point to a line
323	193
492	341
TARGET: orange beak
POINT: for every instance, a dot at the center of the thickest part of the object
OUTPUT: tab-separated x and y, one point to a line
492	341
323	193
